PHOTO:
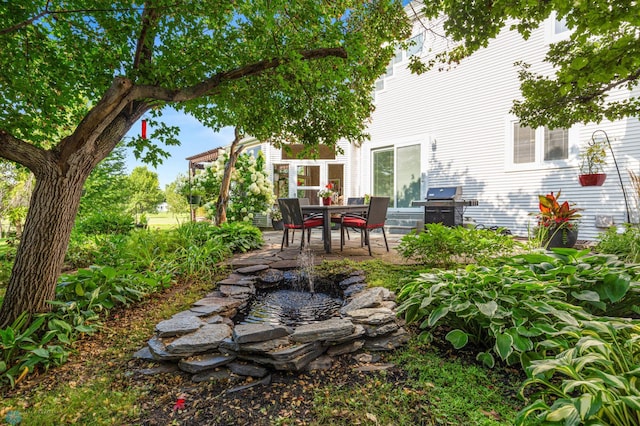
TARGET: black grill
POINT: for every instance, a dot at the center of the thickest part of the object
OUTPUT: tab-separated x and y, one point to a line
445	205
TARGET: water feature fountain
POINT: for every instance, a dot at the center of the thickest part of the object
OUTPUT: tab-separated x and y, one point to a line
259	318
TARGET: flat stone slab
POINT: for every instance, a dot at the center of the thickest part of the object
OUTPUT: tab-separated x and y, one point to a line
200	363
380	330
389	342
234	291
206	338
369	298
250	370
252	269
372	316
330	329
177	326
159	350
351	280
145	354
248	333
224	303
358	331
345	348
266	346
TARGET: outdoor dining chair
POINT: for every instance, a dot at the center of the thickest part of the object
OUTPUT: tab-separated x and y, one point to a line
350	202
375	219
292	218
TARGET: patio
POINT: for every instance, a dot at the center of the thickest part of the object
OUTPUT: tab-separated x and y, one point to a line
271	254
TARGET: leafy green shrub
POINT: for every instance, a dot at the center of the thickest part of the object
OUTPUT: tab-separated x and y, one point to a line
105	222
81	251
592	380
626	245
500	310
507	309
445	246
238	236
24	346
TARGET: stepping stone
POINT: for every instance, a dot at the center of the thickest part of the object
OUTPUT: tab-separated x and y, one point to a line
252	269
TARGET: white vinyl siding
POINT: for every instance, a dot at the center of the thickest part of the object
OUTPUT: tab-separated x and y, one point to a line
462	117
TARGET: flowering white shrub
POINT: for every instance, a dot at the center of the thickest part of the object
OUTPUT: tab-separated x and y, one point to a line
250	192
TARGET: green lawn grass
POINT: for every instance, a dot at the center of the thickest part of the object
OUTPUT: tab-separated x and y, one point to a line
166	220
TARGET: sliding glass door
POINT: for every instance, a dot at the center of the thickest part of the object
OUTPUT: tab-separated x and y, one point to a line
396	174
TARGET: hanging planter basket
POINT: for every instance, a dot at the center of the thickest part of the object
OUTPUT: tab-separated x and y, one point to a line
595	179
194	199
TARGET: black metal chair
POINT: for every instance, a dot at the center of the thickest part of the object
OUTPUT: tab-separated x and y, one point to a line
375	218
292	218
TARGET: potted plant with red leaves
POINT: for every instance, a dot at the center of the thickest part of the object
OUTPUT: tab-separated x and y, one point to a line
557	222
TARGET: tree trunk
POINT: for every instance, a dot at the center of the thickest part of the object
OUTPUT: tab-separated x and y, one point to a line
43	245
223	198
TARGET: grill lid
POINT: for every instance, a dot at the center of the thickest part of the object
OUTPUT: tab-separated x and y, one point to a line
444	193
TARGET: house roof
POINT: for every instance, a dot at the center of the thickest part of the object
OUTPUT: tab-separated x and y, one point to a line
206	156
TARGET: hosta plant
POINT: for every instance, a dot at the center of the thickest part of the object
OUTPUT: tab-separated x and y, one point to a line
502	311
505	310
593	380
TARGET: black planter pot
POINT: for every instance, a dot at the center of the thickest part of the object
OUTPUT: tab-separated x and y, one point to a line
563	238
277	225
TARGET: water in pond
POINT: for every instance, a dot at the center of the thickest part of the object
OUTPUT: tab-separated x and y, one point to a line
292	308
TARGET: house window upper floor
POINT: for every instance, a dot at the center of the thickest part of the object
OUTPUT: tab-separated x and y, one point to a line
542	147
416	44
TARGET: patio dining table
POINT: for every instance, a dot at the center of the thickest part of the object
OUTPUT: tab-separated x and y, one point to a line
326	215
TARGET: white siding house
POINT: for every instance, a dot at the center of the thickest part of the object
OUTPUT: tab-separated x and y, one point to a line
453	128
450	128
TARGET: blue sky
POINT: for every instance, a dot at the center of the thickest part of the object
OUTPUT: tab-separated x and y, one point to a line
194	137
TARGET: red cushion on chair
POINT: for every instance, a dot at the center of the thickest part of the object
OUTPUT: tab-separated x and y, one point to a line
354	222
312	223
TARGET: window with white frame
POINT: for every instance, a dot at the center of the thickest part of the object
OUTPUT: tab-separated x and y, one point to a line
415	48
535	146
556	28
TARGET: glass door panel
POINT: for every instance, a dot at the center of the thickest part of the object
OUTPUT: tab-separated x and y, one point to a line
383	170
408	175
308	183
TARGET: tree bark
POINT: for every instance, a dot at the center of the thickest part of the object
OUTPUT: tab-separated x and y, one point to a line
223	198
43	244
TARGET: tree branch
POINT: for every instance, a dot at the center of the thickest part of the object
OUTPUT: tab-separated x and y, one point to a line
20	151
207	86
143	52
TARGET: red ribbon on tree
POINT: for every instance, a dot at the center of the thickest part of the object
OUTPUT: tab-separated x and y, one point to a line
144	129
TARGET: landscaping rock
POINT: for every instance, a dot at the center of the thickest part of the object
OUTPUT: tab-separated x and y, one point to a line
237	291
265	381
323	362
330	329
389	342
248	333
369	298
178	326
159	350
345	348
250	370
372	316
200	363
207	338
252	269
